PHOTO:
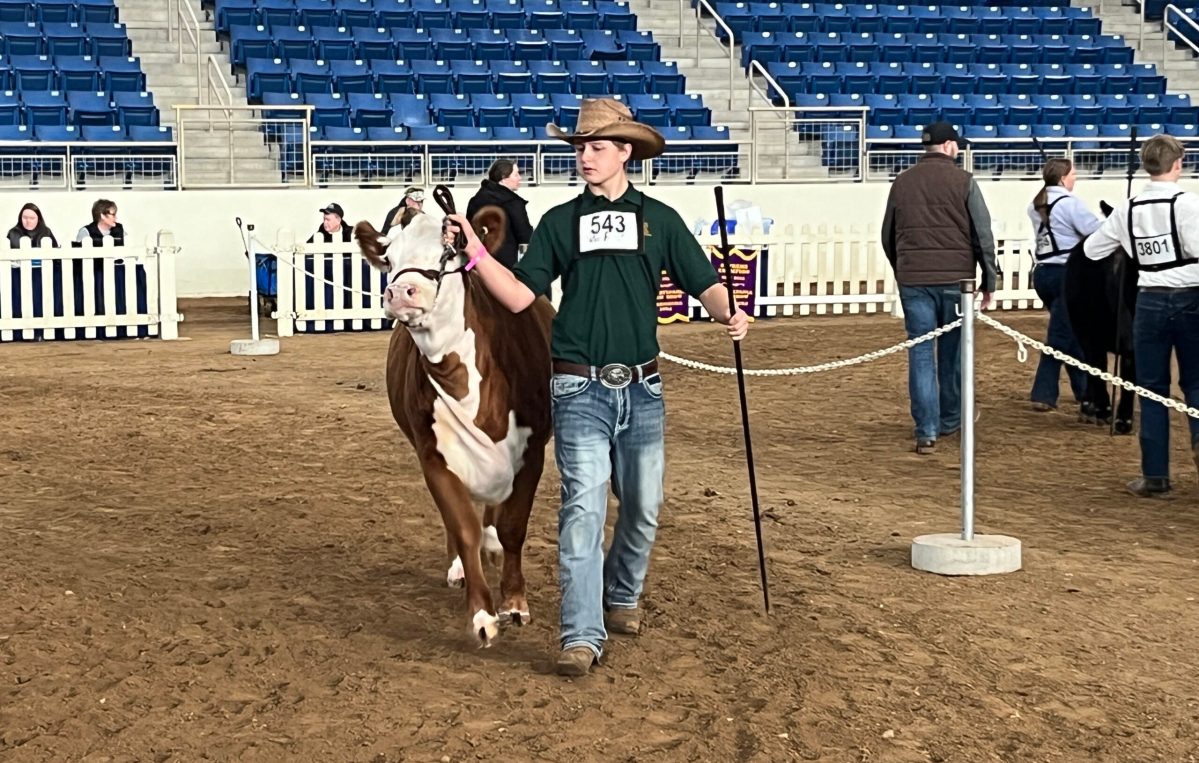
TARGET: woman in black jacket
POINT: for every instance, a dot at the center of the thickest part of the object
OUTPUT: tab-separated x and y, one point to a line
31	225
499	189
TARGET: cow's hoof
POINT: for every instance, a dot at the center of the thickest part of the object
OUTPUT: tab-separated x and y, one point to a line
493	550
485	627
1123	426
517	617
456	577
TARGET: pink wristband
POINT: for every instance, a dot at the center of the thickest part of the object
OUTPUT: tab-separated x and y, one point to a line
480	253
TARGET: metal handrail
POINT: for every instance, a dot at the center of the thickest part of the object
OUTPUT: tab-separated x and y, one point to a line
184	21
699	8
303	118
756	66
1167	27
217	85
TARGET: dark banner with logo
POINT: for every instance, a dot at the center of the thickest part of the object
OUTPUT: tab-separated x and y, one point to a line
744	263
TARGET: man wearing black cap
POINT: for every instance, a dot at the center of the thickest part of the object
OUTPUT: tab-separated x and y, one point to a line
331	225
936	228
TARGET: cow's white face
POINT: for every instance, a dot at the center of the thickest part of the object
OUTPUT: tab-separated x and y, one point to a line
435	316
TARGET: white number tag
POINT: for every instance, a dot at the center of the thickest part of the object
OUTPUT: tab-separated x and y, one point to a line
608	230
1154	250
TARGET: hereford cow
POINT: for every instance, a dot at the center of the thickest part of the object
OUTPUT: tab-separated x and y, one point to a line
1102	323
468	383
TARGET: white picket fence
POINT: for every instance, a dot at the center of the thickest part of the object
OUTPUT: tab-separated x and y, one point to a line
325	287
89	292
812	271
823	271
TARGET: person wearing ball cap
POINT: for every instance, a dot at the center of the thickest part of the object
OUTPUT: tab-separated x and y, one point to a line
332	225
609	245
936	229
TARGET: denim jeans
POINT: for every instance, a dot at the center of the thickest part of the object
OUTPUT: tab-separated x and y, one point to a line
934	384
602	433
1049	281
1165	323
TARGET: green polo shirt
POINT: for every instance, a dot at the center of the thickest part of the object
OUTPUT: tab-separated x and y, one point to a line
609	307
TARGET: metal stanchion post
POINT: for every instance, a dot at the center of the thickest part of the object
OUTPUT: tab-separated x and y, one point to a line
966	553
254	345
967	348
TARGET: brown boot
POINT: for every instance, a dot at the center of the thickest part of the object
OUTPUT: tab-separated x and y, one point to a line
576	661
623	620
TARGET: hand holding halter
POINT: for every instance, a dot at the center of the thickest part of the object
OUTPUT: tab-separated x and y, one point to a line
445	200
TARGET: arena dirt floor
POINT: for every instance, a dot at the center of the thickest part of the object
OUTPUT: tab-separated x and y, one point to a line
208	557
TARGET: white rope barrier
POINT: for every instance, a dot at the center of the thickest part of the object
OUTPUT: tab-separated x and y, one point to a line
286	260
830	366
1022	341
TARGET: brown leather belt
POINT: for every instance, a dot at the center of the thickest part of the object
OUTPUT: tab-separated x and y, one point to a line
613	375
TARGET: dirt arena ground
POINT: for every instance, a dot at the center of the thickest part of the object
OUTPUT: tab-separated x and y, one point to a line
208	557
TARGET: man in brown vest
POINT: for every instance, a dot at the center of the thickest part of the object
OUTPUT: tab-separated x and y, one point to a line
935	230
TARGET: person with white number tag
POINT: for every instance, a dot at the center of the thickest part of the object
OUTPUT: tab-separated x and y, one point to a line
1159	229
609	245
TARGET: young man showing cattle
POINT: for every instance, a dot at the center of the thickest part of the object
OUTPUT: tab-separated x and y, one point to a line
609	246
1059	221
1159	229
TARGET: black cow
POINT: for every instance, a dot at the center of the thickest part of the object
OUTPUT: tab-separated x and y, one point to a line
1102	323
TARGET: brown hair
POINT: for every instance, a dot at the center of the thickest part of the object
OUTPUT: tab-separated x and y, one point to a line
500	169
100	207
1052	173
1159	154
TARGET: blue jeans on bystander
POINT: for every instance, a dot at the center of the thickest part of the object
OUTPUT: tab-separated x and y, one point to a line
934	383
1165	323
602	433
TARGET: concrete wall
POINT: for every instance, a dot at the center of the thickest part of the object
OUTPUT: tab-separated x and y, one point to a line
212	262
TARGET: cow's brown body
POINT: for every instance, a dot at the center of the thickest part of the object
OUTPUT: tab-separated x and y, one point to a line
512	360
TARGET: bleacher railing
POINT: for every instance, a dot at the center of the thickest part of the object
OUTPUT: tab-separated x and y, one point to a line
78	166
1181	34
998	158
815	143
547	162
286	138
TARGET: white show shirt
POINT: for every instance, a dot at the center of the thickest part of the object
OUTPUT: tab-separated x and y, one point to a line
1114	234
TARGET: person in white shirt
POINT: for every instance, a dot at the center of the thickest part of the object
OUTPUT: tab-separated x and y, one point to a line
1059	221
1159	229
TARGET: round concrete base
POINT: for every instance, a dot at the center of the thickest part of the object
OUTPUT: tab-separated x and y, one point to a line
252	347
948	554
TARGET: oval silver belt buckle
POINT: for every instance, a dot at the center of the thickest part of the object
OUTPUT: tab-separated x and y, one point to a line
615	376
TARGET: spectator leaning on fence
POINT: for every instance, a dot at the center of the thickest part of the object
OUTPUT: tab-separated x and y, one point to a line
1159	228
30	225
332	223
104	225
936	227
1059	221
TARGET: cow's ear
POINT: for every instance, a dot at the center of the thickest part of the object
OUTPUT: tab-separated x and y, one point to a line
491	226
1105	208
373	246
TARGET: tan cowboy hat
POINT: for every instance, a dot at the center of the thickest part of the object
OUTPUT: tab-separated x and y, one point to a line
605	118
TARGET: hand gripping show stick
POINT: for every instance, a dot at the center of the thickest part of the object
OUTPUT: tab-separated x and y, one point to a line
749	451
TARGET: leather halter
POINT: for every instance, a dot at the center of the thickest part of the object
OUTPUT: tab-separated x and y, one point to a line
445	200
